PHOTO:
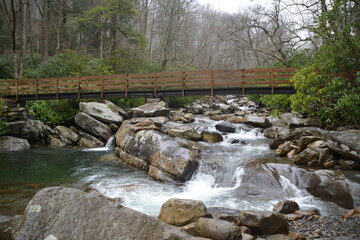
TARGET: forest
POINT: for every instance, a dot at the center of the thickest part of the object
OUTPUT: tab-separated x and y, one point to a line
63	38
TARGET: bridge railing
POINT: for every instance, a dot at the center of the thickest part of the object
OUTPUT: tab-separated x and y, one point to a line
150	82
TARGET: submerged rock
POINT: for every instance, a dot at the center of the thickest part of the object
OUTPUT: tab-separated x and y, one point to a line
180	212
13	144
65	213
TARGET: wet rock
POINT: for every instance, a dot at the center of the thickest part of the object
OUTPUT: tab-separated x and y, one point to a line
326	155
124	133
255	121
13	144
329	164
305	141
47	217
55	141
67	135
32	130
264	222
186	133
227	214
185	118
93	126
159	175
210	136
177	157
286	207
306	156
131	160
102	112
157	109
180	212
349	164
219	117
345	143
283	149
240	113
260	179
147	124
226	127
89	141
217	229
212	113
236	120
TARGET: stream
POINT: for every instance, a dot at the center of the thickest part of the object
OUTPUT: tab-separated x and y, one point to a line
216	182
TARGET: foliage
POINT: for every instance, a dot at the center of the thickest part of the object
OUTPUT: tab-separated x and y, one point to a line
70	64
179	102
278	103
128	102
332	99
6	70
54	112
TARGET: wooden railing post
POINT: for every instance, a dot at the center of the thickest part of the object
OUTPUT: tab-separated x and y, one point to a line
17	89
102	86
57	88
183	84
155	85
127	85
242	77
212	79
37	88
272	82
79	83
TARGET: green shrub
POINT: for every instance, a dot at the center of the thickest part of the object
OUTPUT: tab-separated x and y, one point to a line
278	103
127	103
54	112
331	99
179	102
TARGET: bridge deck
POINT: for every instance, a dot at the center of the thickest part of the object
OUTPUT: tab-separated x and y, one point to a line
191	83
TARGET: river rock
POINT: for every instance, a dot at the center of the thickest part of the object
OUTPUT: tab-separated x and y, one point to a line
349	164
286	207
345	143
88	140
13	144
102	112
227	214
67	135
295	120
284	149
264	222
305	141
211	136
185	132
65	213
117	109
131	160
278	237
217	229
256	121
180	212
55	141
226	127
260	179
177	157
159	121
159	174
124	133
93	126
156	109
32	130
307	156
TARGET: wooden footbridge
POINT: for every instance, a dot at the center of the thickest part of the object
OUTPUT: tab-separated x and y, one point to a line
160	84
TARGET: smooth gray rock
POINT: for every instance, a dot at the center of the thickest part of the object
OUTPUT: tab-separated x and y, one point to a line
12	144
67	135
93	126
32	130
345	143
226	127
217	229
157	109
102	112
65	213
256	121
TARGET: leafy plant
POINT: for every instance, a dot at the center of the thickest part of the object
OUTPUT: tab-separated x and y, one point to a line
179	102
278	103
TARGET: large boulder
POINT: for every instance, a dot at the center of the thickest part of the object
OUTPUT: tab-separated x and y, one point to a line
13	144
65	213
67	135
175	156
101	112
211	136
217	229
93	126
264	222
345	143
155	109
179	212
32	130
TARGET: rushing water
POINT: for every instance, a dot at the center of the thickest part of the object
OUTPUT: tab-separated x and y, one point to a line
216	182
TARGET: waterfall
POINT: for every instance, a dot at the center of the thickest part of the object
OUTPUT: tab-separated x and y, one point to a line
108	146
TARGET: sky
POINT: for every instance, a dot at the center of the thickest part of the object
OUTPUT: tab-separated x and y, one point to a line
230	6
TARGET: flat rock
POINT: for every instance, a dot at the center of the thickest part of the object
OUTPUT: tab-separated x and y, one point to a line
156	109
13	144
65	213
102	112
